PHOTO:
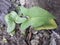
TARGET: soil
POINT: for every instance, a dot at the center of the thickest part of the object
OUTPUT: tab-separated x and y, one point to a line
32	37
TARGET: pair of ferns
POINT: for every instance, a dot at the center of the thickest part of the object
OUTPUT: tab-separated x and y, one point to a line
35	17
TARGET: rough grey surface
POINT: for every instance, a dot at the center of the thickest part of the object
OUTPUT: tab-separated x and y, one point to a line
32	37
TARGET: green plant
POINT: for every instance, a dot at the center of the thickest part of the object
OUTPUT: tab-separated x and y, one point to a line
35	17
